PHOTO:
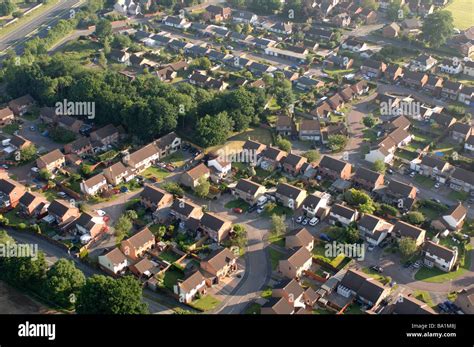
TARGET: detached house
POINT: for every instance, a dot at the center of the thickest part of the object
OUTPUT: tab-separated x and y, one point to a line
299	238
365	288
298	261
143	158
192	177
219	168
451	66
10	192
51	161
63	211
154	198
6	116
309	130
21	105
284	126
391	30
469	144
218	265
368	179
374	229
33	204
249	191
334	168
218	13
435	255
94	185
113	262
293	163
455	217
290	196
216	227
135	246
117	173
188	288
183	210
176	22
403	229
342	214
88	224
244	17
272	158
316	204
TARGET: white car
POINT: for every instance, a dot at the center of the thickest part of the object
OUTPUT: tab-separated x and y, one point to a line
35	169
314	221
259	210
412	174
101	213
437	185
262	200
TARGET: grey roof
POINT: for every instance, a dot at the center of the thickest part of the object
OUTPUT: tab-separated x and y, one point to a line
343	211
248	186
288	190
439	250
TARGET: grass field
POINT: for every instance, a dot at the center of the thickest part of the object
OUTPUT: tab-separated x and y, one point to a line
206	303
462	13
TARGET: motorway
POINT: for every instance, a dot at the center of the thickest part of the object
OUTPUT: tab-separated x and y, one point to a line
36	26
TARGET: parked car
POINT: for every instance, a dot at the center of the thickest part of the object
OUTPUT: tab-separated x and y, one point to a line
305	221
417	265
35	169
62	194
324	237
442	307
124	189
390	171
101	213
437	185
376	268
237	210
370	248
252	208
314	221
412	174
299	219
260	210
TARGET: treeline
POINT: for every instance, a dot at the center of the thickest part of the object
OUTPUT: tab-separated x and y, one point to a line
64	286
146	107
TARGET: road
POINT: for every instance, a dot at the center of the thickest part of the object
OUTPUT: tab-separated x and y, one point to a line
37	25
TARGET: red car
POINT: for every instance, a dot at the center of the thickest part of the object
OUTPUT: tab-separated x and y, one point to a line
237	210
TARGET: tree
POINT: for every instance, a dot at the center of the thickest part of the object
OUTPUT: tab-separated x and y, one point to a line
102	60
270	207
28	153
396	11
360	200
201	63
45	174
284	144
414	217
63	283
312	155
173	188
5	238
352	234
369	121
106	295
202	189
337	142
438	28
379	166
86	169
131	214
407	246
278	225
214	130
103	29
7	7
388	210
122	226
370	4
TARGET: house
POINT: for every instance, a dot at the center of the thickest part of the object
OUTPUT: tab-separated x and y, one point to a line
373	68
176	22
337	61
435	255
402	229
469	68
399	190
254	147
316	204
336	102
306	83
70	123
81	146
88	224
309	130
434	85
145	268
368	179
290	196
293	163
360	87
443	120
249	191
240	16
363	287
107	135
135	246
33	204
117	173
368	16
183	209
347	94
299	238
415	79
434	167
272	158
192	177
354	45
460	131
455	217
48	115
154	198
342	214
462	179
423	63
188	288
277	305
21	105
168	144
466	96
63	211
408	305
320	34
341	20
219	167
334	169
217	228
383	151
218	13
6	116
51	161
297	261
10	192
287	54
129	7
219	265
469	144
323	110
451	90
391	30
143	158
451	66
465	299
283	28
19	142
120	56
374	229
411	26
94	185
114	261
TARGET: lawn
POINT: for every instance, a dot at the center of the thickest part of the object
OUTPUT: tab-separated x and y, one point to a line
176	159
172	275
424	181
462	11
237	203
429	213
458	196
158	173
257	134
275	256
267	293
321	311
423	296
277	240
405	154
434	275
169	256
375	275
206	303
10	128
13	218
354	309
